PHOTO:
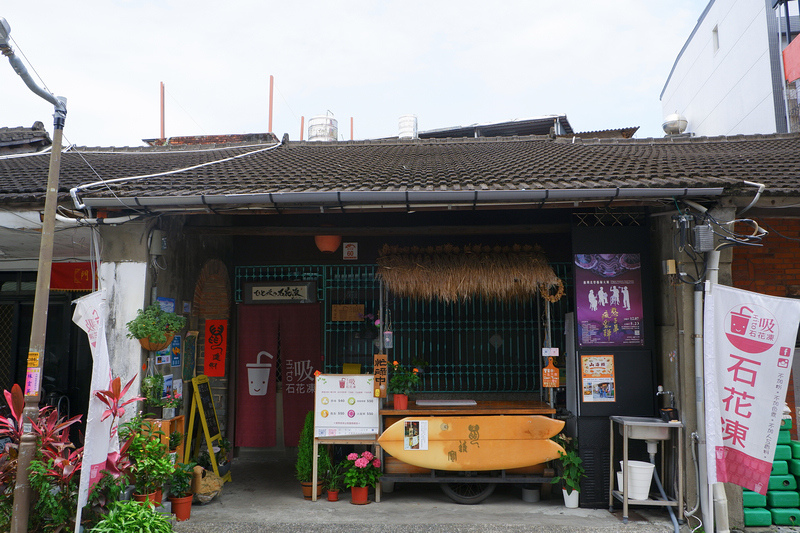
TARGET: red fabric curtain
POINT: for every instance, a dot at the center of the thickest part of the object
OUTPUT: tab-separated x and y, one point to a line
257	362
301	355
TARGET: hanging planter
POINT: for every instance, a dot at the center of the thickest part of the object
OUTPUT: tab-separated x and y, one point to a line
151	346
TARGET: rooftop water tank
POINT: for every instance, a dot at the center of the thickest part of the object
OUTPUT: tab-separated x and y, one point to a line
674	124
408	127
323	128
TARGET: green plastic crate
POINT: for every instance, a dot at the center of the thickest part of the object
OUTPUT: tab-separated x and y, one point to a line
786	423
753	499
784	437
783	498
783	452
780	468
785	517
794	466
757	517
785	482
795	446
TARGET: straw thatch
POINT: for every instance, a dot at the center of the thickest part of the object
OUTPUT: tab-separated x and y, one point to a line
451	273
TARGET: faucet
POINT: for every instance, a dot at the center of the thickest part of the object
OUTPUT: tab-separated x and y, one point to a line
661	392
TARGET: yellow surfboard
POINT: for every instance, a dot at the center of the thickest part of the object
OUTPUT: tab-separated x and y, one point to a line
473	442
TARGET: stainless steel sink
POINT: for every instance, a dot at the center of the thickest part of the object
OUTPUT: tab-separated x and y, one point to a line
644	427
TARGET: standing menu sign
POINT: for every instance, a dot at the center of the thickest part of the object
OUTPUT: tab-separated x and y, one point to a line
345	405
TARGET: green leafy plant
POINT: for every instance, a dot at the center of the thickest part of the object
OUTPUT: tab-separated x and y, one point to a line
181	480
224	449
151	465
571	469
404	380
133	516
155	324
56	488
153	389
361	470
108	489
305	451
333	475
175	439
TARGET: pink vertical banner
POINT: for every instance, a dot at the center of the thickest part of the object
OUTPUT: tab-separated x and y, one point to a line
749	342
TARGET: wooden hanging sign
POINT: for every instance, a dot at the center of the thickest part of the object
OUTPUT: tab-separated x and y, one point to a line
550	374
203	407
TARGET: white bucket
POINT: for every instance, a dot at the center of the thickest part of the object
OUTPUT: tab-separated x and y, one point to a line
640	475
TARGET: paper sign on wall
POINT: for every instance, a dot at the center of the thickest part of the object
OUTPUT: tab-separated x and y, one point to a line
216	346
597	378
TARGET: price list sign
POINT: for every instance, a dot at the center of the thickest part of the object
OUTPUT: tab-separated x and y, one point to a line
345	405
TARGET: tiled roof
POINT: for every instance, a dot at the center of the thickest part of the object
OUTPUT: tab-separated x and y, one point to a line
22	139
484	164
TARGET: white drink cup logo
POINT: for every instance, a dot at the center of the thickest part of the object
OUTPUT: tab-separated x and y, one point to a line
258	375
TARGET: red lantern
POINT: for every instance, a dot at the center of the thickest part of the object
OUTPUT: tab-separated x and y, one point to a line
328	243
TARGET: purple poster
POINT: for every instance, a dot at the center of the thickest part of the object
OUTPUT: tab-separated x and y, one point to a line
608	289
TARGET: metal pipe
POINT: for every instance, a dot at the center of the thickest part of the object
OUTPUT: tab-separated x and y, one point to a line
707	512
36	347
162	112
271	83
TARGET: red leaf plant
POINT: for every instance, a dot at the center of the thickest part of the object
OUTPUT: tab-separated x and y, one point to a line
112	398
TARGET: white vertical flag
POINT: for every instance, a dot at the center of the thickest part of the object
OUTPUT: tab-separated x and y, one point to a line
90	315
749	341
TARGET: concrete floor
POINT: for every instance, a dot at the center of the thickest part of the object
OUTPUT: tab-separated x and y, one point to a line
264	496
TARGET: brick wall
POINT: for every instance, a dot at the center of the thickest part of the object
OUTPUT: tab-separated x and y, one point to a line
772	269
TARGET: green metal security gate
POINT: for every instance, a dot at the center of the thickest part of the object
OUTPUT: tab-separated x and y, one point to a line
473	346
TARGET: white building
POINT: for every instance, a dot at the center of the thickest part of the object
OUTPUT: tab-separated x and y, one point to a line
728	77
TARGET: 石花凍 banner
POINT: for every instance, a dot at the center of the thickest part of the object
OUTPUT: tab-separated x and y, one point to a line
749	341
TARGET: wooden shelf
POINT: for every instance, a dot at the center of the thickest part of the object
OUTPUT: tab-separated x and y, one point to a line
168	426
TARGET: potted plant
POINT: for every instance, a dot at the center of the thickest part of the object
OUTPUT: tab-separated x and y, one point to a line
175	440
334	472
360	473
180	491
222	451
570	471
403	381
131	516
305	454
152	390
151	466
170	404
154	327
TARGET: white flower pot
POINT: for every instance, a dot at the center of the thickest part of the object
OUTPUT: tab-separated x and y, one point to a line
571	499
168	413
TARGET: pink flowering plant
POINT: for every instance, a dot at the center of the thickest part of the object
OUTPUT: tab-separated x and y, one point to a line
361	470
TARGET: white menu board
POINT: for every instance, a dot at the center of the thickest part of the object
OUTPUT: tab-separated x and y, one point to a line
345	405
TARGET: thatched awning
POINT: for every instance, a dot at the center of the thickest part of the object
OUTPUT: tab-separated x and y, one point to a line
451	273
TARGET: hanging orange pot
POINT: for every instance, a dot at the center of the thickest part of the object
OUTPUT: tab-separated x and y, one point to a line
327	243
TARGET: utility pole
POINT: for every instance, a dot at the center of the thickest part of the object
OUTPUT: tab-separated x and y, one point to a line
33	381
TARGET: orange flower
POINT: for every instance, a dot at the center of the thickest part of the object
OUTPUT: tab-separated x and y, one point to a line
416	370
395	363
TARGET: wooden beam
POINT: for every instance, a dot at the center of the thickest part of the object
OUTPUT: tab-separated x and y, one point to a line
376	230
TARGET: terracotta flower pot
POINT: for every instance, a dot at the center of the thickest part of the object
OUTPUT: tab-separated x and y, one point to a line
149	497
306	485
182	507
156	347
400	402
333	495
359	495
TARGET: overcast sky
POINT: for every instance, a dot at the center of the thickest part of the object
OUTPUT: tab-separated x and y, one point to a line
451	63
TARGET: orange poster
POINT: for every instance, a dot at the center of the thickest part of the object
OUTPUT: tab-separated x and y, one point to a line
597	378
